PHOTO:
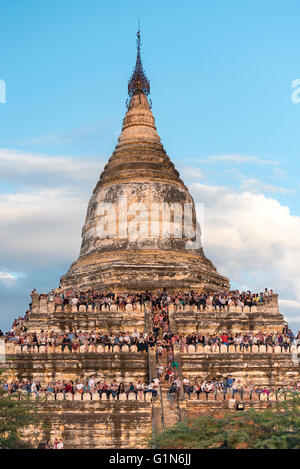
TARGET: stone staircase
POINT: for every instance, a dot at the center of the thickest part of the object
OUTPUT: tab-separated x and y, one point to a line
170	408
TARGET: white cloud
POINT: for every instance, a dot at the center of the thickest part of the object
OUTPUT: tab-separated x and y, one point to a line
41	226
255	185
289	303
294	320
291	309
9	279
37	169
252	239
7	276
187	173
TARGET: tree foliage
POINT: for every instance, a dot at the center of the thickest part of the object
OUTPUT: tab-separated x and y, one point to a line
277	427
15	416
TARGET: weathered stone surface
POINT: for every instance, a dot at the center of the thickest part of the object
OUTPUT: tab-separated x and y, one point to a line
263	317
126	366
96	424
104	321
261	369
135	203
218	408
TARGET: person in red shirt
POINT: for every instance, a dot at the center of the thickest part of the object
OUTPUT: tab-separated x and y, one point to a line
224	338
69	387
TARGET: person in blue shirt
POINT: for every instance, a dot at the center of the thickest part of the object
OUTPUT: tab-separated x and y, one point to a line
229	382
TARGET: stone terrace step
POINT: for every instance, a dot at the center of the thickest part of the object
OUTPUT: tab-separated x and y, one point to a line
97	424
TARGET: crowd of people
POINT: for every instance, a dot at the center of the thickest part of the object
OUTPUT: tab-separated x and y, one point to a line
96	298
161	338
111	389
159	301
218	300
227	385
56	444
232	386
72	341
140	341
242	341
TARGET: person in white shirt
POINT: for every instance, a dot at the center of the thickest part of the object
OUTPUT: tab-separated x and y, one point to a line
156	382
177	381
34	388
151	389
60	444
74	302
160	369
126	339
187	389
92	384
79	387
140	389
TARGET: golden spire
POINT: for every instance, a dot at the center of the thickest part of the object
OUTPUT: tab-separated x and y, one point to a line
138	82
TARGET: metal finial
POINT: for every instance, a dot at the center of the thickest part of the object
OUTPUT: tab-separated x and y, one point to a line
138	81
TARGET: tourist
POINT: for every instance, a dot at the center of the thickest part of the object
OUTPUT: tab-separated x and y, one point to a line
60	444
172	393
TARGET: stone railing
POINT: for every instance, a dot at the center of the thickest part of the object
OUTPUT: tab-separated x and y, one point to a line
11	349
270	305
148	396
41	304
199	348
85	396
241	396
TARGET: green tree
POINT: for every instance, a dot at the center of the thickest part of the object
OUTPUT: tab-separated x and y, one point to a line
277	427
15	416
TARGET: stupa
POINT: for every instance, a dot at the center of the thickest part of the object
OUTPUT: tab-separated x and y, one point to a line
141	233
141	230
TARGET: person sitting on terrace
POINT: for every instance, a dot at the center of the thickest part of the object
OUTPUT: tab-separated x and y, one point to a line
160	299
172	393
113	388
140	389
187	388
66	342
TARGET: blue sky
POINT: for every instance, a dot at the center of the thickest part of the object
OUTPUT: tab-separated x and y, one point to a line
221	76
